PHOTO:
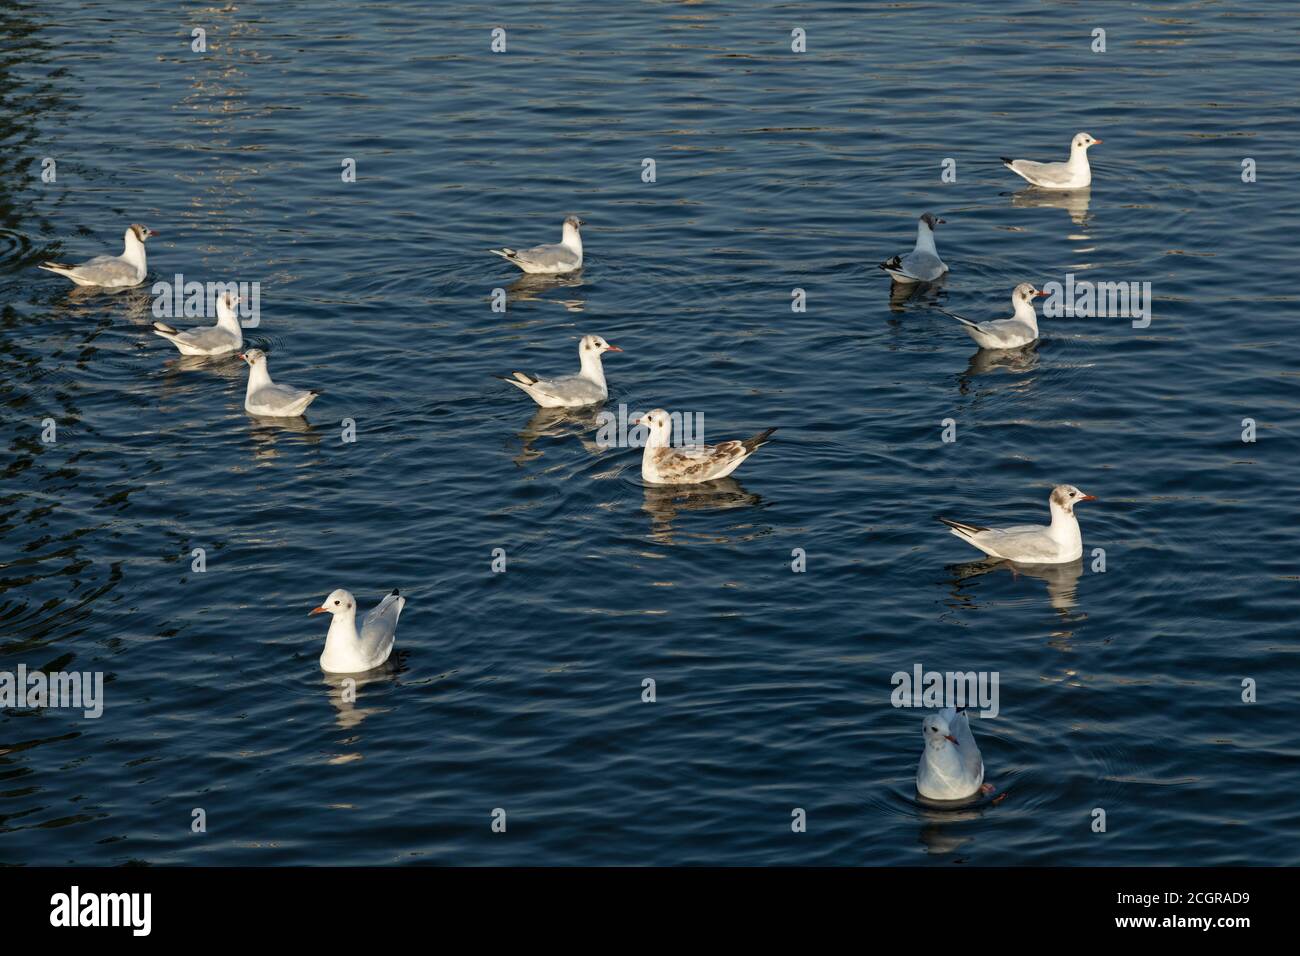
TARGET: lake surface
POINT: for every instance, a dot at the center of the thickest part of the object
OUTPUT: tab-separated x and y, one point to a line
774	170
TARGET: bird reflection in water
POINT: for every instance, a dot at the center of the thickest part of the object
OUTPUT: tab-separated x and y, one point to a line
533	288
558	423
1019	361
1073	201
1062	580
664	502
348	693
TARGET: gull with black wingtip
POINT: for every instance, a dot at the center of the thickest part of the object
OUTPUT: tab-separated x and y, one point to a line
1056	543
552	259
348	651
586	387
922	264
110	272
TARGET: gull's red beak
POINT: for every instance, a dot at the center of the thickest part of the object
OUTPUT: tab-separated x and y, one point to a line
1097	142
1038	292
612	348
241	356
316	610
951	739
1087	497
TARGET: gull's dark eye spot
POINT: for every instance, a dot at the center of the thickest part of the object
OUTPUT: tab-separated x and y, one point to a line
336	603
1072	494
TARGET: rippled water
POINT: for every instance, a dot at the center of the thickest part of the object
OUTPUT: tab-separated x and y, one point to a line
522	691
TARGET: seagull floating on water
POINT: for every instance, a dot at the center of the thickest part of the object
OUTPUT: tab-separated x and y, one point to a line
951	767
1012	333
265	398
1032	544
587	387
110	272
1072	174
346	651
564	256
661	464
225	336
922	264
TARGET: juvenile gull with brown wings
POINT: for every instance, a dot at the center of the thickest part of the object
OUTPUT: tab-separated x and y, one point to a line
662	464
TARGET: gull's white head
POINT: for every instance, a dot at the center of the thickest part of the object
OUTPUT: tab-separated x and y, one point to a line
1024	294
1083	141
254	357
931	220
226	303
1065	497
139	233
937	733
338	602
660	424
573	222
593	345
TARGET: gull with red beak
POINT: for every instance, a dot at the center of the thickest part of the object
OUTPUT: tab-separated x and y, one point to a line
661	464
224	337
1056	543
922	264
587	387
110	272
263	397
951	766
1074	173
346	650
1012	333
551	259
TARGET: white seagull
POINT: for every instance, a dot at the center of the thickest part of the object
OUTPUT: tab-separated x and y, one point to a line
587	387
1072	174
346	651
110	271
1057	543
1012	333
564	256
922	264
662	464
265	398
951	767
225	336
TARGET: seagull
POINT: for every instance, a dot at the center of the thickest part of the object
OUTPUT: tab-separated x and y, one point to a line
565	256
922	264
694	464
951	767
346	651
1057	543
1012	333
110	271
266	398
225	336
1073	174
587	387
